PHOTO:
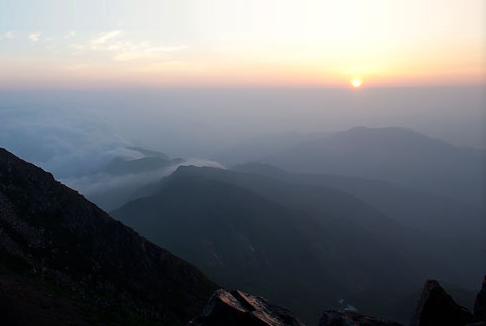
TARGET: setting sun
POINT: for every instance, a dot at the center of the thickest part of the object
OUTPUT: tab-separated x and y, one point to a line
356	83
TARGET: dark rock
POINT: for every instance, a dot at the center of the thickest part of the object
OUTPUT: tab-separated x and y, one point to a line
50	233
436	307
240	309
45	303
351	318
479	311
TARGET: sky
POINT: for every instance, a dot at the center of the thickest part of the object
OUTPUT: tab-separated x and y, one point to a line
99	44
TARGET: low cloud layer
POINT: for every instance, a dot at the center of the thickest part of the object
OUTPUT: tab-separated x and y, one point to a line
63	141
75	143
100	183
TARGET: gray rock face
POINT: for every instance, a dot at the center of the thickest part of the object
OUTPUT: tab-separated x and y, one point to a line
237	308
436	307
479	311
351	318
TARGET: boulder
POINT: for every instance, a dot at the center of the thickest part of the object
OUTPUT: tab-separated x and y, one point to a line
436	307
237	308
351	318
479	311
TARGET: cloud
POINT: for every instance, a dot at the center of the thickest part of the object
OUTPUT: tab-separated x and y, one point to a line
62	141
100	184
34	37
9	35
125	50
69	35
105	37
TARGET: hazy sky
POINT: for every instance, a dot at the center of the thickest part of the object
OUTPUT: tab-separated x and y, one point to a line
37	125
93	44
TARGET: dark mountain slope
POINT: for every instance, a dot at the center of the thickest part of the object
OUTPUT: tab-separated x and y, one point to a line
240	239
23	301
52	234
301	246
394	154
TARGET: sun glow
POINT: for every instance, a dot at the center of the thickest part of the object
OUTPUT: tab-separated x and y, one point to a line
242	43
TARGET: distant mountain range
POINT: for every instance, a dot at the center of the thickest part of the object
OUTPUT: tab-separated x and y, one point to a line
261	146
397	155
421	210
301	245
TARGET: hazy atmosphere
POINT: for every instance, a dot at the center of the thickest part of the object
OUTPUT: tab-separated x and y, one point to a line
188	122
326	156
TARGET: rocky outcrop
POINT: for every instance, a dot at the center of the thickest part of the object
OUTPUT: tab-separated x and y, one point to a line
479	311
351	318
51	234
436	307
237	308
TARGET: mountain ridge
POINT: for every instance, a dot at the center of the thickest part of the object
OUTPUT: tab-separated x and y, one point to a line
394	154
411	207
53	234
200	213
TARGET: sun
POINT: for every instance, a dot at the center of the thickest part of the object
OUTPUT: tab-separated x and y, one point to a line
356	83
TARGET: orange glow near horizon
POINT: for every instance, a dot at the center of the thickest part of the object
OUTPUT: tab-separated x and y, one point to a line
237	73
233	44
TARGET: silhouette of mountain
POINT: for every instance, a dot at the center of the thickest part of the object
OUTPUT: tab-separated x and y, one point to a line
262	145
398	155
412	208
301	246
58	245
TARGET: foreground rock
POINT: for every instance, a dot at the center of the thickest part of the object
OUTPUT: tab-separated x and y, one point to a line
480	304
52	236
436	307
236	308
351	318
